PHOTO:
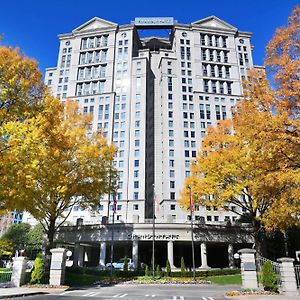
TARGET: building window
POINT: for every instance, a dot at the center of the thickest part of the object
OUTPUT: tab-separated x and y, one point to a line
172	195
135	207
172	207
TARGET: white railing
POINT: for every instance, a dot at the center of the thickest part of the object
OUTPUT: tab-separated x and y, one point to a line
276	267
297	274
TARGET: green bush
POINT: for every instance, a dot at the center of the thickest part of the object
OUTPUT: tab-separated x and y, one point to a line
38	271
269	277
206	273
168	268
158	271
146	270
125	268
182	267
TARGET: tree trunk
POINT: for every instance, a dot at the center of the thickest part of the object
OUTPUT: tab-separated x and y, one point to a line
286	248
50	236
257	237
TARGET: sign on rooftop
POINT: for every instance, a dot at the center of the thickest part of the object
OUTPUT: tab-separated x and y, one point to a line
154	22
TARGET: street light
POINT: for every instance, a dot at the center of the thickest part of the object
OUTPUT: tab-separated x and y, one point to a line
192	233
153	234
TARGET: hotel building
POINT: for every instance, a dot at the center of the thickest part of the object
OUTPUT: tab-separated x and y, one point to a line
154	98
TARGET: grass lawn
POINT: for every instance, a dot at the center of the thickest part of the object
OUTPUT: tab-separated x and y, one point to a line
227	279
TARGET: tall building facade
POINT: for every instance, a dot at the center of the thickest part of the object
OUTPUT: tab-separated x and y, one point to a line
153	98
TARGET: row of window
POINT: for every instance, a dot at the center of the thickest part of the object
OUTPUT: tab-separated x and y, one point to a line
212	40
90	88
94	42
93	57
216	71
217	86
214	55
94	72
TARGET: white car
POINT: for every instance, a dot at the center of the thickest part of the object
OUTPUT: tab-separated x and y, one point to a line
119	265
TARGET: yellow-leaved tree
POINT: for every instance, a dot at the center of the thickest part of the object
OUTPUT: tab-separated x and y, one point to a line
54	162
252	161
21	94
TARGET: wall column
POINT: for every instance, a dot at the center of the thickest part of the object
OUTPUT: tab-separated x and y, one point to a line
76	254
102	256
58	266
171	254
203	256
248	268
135	253
18	270
287	273
230	256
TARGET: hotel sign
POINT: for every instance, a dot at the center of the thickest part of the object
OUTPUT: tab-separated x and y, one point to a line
155	22
150	236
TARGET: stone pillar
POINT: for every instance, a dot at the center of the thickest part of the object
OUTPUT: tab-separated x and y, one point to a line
203	256
58	266
248	268
18	271
76	254
135	254
287	273
230	256
171	254
102	256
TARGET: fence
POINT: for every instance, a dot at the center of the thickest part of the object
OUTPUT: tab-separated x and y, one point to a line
297	274
276	267
5	276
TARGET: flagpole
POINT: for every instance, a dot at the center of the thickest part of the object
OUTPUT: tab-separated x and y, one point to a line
153	234
192	234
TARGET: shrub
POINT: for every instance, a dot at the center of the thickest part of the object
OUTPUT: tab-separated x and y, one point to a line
38	272
168	268
182	267
158	271
146	270
125	268
268	277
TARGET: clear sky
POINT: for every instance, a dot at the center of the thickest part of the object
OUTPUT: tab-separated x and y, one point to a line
34	25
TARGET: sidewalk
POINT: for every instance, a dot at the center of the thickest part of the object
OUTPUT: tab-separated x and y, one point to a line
24	291
271	297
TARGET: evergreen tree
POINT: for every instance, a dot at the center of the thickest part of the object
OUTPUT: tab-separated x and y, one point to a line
38	272
182	266
268	277
168	268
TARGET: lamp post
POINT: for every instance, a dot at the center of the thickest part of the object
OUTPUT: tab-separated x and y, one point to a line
112	237
153	234
192	233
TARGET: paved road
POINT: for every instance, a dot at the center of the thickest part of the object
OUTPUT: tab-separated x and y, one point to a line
140	292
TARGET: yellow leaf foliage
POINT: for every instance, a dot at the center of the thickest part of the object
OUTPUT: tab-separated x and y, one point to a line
253	160
53	163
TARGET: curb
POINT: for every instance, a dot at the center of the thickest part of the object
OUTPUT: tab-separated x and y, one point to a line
22	295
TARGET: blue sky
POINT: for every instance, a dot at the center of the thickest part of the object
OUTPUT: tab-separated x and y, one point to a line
34	25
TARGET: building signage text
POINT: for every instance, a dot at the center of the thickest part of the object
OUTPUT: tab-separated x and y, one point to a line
164	21
146	236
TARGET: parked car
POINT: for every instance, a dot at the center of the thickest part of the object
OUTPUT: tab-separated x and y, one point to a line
119	264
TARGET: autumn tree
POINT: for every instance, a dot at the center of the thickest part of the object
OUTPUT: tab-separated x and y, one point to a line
252	161
21	95
54	163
